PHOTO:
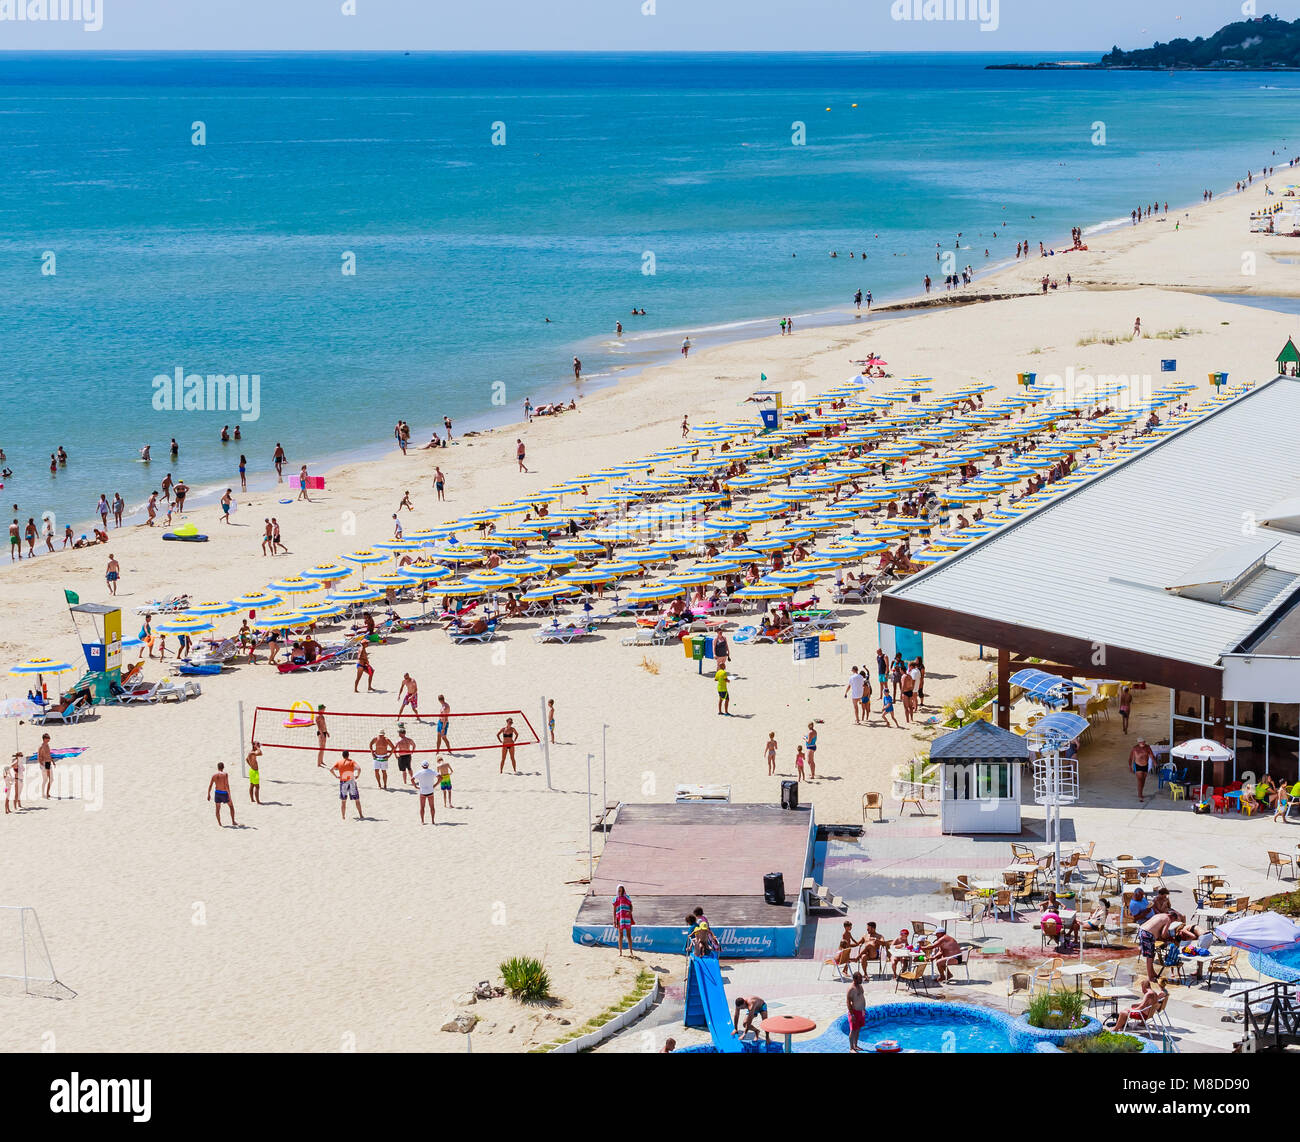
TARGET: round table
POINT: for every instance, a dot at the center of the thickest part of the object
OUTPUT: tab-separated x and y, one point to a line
787	1025
1078	971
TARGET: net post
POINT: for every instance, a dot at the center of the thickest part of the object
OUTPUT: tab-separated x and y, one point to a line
22	933
546	744
243	769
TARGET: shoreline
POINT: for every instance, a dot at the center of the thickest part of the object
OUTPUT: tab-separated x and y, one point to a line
485	423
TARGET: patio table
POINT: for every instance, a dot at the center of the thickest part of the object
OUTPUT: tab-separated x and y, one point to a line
1077	972
788	1026
1115	994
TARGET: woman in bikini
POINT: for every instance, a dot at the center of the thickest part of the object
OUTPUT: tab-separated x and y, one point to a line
506	735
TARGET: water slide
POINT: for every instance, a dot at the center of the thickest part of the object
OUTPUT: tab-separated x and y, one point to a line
707	1006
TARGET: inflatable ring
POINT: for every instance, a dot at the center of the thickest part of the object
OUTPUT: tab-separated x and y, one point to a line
296	720
888	1047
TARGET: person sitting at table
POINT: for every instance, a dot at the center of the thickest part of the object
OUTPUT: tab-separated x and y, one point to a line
1099	916
944	950
1139	908
1145	1007
1160	903
872	942
1052	911
898	944
1267	791
843	956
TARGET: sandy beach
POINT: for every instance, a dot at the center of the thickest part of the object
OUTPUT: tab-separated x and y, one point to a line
304	932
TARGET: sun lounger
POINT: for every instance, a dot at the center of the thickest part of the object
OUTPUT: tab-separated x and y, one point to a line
465	635
557	633
164	606
178	690
140	694
70	714
642	637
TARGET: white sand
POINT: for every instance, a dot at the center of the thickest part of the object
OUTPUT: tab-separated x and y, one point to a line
315	930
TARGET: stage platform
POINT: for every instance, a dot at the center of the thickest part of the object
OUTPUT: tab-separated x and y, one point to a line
675	858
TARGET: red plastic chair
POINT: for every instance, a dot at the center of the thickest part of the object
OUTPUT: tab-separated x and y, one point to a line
1220	803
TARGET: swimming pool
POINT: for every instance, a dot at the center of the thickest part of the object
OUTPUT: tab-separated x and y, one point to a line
1284	966
940	1028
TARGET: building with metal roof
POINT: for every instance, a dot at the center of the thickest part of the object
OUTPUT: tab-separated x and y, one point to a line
1179	566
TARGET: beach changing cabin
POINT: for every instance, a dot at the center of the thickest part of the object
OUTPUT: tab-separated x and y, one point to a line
981	767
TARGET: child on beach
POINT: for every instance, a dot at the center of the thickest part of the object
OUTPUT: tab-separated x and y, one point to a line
798	762
769	751
887	708
550	718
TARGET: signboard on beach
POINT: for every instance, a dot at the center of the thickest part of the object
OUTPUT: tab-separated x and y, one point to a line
805	648
1169	366
737	943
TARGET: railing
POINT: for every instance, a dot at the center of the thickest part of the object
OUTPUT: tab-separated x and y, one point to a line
1278	1025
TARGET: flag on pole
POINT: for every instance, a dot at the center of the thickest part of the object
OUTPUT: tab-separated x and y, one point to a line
71	596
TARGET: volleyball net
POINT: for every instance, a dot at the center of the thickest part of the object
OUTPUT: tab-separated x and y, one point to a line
295	728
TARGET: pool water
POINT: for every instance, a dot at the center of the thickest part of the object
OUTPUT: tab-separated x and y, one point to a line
929	1027
1284	966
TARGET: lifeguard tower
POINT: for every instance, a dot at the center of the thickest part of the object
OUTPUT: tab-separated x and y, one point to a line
1288	361
769	407
99	630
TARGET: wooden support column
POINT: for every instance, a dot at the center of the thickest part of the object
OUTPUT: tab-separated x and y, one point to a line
1004	688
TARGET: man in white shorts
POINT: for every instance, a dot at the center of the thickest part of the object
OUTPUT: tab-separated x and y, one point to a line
381	749
854	691
426	781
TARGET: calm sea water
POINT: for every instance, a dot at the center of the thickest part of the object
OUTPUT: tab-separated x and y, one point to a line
227	258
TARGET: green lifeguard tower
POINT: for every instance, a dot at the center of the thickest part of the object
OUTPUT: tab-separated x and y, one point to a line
1288	361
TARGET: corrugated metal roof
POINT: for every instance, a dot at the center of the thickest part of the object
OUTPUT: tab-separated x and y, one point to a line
1092	563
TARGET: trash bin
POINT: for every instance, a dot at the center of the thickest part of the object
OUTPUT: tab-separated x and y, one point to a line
789	794
773	888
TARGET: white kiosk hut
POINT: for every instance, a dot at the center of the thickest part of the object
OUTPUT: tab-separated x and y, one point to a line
981	766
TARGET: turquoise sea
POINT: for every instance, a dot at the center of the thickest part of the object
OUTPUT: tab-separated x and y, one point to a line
227	257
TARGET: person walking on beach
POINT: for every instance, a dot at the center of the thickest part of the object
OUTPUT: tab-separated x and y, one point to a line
443	725
220	785
686	427
347	771
275	537
322	736
724	697
506	735
302	484
426	784
444	781
166	487
1137	327
1141	761
769	752
364	669
279	461
226	501
180	490
409	693
266	537
439	482
243	472
686	346
15	541
887	708
254	773
550	718
14	776
113	573
577	369
381	749
45	759
854	691
406	502
1125	706
119	506
623	920
519	455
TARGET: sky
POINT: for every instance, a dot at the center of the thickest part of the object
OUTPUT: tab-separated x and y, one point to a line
617	25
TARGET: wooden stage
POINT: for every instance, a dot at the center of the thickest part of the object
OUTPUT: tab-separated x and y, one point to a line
674	858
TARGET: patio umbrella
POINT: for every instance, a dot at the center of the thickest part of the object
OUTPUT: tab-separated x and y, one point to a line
359	594
213	609
323	610
1203	749
401	578
325	572
1263	932
763	591
790	578
653	592
294	585
551	591
18	708
366	556
41	666
280	620
490	579
182	624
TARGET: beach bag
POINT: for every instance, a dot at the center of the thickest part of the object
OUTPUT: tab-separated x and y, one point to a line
1170	958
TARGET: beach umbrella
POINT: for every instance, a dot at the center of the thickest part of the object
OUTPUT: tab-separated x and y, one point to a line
767	544
491	579
427	573
1203	750
930	556
18	708
523	566
833	514
429	534
689	577
701	533
550	591
1262	932
182	624
253	599
358	594
366	556
552	558
488	543
791	578
914	524
327	571
214	609
322	610
40	666
576	545
763	591
462	590
590	575
817	563
398	544
400	578
280	620
455	553
717	566
849	550
653	592
524	533
484	516
294	585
